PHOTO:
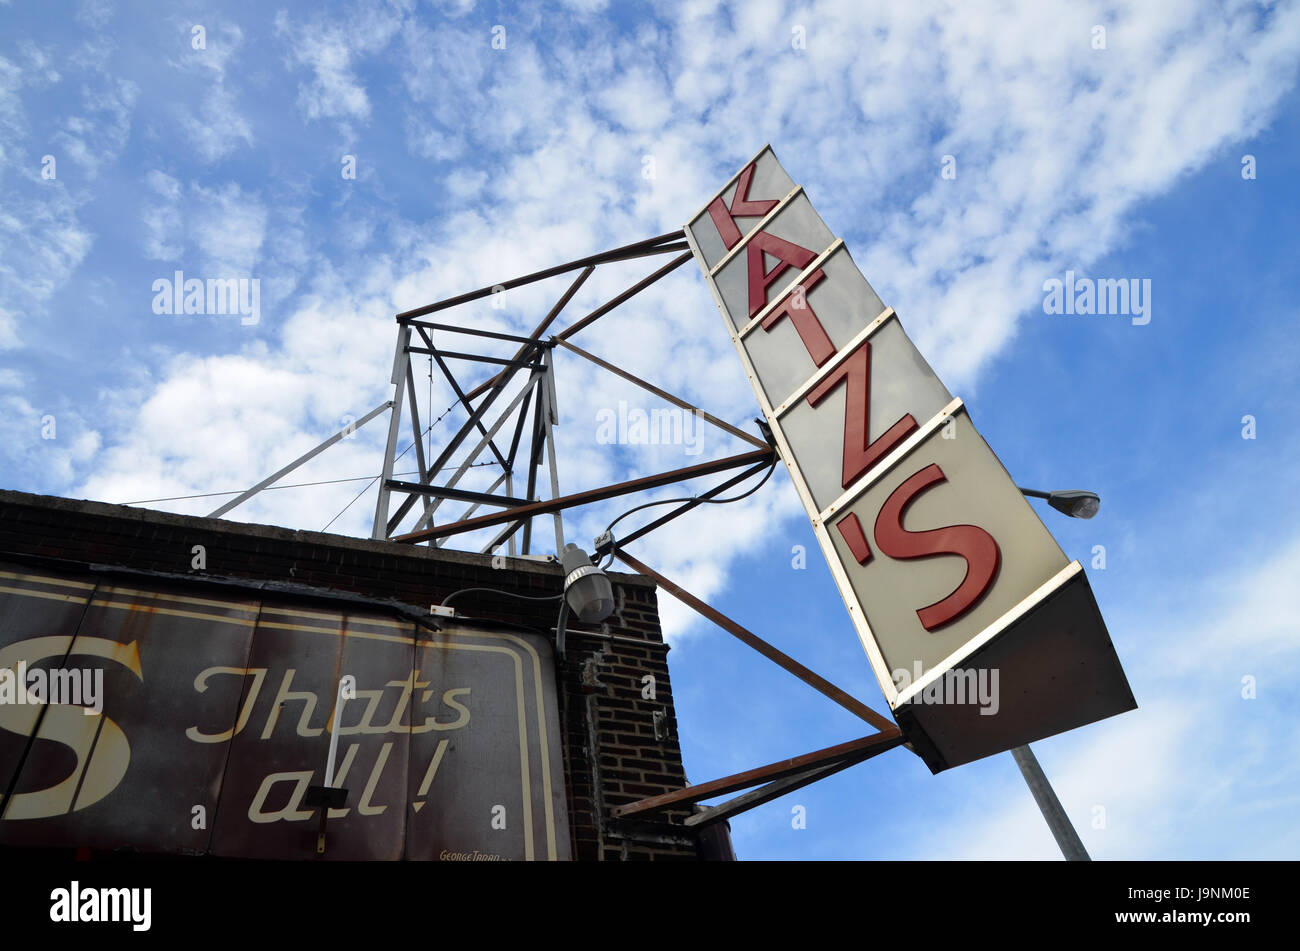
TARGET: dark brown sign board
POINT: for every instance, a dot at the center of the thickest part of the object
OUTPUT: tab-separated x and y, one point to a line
215	719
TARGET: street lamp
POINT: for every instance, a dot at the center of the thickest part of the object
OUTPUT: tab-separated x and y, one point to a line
1076	503
587	593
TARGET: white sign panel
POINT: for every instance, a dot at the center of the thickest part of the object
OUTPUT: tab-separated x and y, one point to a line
940	560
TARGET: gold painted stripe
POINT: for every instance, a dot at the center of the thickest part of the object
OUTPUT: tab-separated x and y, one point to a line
244	606
61	582
33	593
150	609
287	612
524	751
543	742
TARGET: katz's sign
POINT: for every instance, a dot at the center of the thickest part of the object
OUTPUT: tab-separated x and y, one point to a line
983	635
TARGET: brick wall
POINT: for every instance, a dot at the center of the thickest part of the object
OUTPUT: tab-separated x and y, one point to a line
619	745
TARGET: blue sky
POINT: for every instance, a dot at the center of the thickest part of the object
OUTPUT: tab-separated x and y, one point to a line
476	163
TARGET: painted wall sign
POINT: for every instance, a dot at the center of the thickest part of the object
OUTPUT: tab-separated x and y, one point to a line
214	719
953	583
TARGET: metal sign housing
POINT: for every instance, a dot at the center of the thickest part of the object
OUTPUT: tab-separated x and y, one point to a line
982	634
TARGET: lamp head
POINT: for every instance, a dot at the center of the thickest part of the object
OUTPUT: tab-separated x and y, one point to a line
1075	503
586	588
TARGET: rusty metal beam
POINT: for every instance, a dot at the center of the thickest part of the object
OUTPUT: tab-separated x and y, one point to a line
454	443
663	394
877	742
818	683
539	329
627	295
474	357
472	331
780	787
682	509
519	431
460	395
534	458
595	314
498	381
461	495
547	506
600	311
629	250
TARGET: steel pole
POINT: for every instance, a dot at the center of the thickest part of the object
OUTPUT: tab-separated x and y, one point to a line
1071	846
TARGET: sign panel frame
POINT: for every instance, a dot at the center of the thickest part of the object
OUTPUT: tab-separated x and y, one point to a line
215	716
789	275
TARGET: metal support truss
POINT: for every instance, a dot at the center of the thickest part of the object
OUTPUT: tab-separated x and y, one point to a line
276	477
781	777
528	419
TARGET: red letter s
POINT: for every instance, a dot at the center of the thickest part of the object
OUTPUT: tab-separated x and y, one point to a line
973	544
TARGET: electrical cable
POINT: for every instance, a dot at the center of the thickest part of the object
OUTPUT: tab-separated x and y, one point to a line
696	498
427	429
350	504
296	485
511	594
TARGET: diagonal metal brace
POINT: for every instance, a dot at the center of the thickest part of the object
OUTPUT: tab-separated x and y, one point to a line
795	766
310	454
780	787
745	636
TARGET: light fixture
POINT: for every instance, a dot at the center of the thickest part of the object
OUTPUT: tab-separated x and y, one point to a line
1076	503
587	590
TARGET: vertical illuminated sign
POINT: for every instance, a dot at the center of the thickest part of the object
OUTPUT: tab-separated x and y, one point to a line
948	574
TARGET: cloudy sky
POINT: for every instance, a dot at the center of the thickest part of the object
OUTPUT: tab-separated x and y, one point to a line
361	159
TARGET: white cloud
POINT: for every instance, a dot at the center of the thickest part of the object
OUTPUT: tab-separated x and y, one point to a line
163	184
8	330
331	51
94	13
46	447
229	228
97	141
1054	142
1192	773
221	129
42	239
221	39
218	128
41	243
225	225
465	184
